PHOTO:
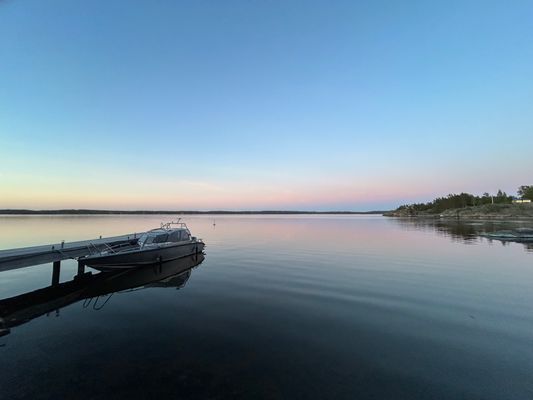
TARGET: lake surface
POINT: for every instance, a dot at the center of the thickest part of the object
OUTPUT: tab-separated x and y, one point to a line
282	307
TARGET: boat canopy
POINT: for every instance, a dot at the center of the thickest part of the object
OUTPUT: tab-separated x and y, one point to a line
164	236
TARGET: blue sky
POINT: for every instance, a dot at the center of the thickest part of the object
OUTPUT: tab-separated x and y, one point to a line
262	104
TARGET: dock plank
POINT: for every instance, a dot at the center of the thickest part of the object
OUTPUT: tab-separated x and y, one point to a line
35	255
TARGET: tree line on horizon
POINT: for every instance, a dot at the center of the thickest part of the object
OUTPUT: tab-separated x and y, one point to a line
462	200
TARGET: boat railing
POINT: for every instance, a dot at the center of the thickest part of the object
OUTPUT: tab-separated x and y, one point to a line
168	225
93	249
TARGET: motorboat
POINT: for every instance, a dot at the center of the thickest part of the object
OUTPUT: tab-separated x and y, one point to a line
171	241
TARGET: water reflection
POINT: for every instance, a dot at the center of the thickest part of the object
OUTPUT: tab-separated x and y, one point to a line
95	290
289	307
467	232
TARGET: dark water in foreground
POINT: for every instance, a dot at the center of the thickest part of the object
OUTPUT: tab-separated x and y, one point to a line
293	307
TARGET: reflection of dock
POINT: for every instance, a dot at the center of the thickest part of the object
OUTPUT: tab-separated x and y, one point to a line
23	308
54	253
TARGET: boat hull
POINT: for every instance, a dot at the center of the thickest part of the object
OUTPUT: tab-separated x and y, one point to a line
136	258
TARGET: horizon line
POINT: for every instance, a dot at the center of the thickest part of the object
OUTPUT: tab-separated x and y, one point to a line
83	211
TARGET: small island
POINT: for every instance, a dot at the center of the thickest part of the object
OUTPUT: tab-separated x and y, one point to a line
469	206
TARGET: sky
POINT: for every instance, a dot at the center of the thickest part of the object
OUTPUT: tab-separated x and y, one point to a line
253	105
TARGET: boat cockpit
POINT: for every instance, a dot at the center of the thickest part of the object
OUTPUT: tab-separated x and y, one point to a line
164	236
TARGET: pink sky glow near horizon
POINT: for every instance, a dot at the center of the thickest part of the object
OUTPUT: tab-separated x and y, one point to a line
190	195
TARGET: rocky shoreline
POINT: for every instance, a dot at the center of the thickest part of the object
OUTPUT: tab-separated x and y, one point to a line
486	211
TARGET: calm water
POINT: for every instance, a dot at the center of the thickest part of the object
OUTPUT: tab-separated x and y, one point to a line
292	307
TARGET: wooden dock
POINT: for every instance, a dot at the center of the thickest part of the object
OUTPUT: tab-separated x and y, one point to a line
54	253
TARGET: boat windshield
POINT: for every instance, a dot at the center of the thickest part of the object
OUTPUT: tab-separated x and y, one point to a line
145	239
173	236
178	236
161	238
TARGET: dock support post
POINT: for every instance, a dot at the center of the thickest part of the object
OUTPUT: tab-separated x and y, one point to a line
55	273
81	269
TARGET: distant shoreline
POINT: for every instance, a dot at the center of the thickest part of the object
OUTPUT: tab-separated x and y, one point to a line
181	212
503	212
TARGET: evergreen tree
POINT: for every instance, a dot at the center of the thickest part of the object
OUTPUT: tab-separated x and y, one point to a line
462	200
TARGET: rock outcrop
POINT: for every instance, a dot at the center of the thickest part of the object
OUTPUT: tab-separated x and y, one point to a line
486	211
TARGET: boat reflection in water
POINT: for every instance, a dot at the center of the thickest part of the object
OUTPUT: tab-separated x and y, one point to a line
94	289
